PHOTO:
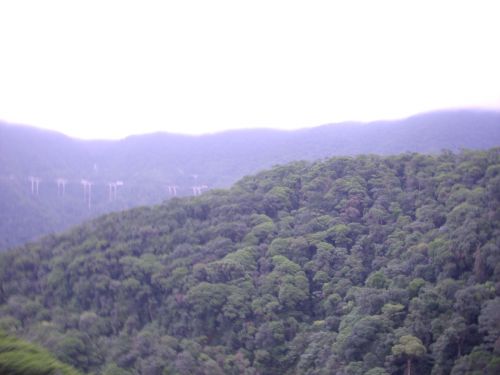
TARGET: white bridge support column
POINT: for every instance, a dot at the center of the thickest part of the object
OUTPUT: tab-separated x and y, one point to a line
87	192
61	186
35	184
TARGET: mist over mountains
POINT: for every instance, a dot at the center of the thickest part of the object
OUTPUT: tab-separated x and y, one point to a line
148	164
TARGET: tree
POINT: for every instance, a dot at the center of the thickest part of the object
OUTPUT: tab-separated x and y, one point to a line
411	348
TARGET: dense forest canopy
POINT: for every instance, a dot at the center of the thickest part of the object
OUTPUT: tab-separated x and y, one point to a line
147	165
353	265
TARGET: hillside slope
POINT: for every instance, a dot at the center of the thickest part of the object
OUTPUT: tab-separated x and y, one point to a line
366	265
148	164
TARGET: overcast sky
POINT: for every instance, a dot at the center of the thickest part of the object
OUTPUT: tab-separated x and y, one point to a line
107	69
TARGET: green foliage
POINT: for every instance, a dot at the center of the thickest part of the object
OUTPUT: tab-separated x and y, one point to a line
409	346
365	265
18	357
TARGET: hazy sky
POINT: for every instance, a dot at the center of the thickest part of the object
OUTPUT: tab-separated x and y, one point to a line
106	69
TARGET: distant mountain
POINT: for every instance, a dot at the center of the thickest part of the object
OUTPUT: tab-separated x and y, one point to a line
148	164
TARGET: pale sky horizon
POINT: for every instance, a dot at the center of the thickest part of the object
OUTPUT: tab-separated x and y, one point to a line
108	69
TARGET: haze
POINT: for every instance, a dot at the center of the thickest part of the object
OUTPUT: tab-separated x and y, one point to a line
107	69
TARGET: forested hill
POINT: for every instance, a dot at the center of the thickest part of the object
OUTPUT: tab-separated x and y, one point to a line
147	165
367	265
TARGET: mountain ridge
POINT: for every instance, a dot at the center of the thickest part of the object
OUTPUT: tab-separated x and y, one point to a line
416	116
148	164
